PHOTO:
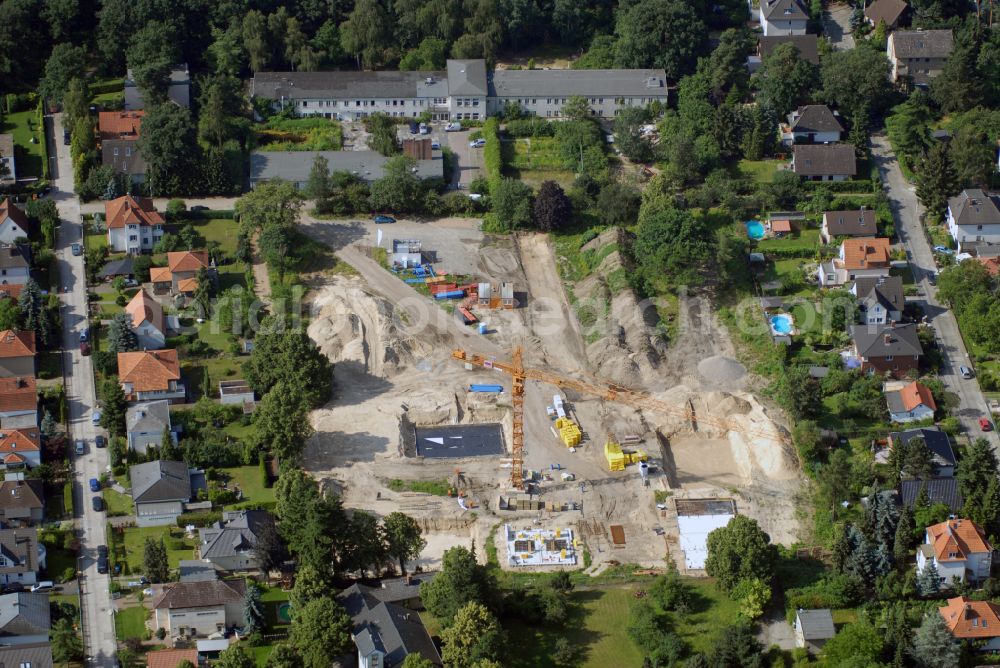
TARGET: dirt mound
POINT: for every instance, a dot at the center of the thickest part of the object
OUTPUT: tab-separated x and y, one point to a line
718	369
354	325
615	235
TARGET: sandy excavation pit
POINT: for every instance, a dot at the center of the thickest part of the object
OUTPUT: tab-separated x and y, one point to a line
391	375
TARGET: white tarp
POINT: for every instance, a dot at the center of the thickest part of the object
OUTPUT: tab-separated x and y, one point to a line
694	530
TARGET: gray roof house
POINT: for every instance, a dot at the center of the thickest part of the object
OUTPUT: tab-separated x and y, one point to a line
22	501
814	124
783	17
36	655
813	628
197	570
851	223
937	442
939	490
889	11
178	92
808	46
294	166
919	54
230	544
880	297
385	632
199	609
21	556
824	162
145	424
159	489
24	618
467	77
891	349
973	218
121	267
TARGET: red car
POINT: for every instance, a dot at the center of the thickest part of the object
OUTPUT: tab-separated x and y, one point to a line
84	348
985	424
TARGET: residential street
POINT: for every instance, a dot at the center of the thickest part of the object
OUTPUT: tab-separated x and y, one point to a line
906	212
95	597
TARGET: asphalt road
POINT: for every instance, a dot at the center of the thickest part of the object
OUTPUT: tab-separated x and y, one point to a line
95	597
470	160
906	210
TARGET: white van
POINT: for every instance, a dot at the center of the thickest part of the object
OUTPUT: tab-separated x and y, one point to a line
43	586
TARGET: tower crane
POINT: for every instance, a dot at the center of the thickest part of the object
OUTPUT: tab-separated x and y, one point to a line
608	391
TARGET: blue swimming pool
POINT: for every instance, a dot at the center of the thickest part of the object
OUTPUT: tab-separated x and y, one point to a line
781	324
755	229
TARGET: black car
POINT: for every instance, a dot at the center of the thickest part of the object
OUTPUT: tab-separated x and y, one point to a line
102	564
12	588
98	504
101	442
414	128
102	551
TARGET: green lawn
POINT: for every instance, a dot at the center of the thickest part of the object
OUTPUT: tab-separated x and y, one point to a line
239	431
299	134
131	623
95	240
806	241
260	654
28	156
249	480
217	339
117	504
761	171
536	153
221	230
906	273
219	368
790	268
178	547
57	562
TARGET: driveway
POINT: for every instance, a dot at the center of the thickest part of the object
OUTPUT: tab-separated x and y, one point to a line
95	598
469	160
837	26
906	211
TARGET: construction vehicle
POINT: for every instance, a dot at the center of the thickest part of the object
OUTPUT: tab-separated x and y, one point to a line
607	391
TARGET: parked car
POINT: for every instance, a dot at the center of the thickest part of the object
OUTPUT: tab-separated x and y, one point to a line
95	485
75	248
199	207
80	447
43	586
66	137
424	130
478	143
943	249
965	371
102	564
383	220
98	504
414	127
100	441
102	551
12	588
85	334
453	127
985	424
84	348
435	144
95	418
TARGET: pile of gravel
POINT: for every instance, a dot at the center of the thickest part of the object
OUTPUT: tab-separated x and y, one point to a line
719	369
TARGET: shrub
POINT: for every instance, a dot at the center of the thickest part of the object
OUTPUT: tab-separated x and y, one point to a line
530	127
161	633
202	519
492	152
68	574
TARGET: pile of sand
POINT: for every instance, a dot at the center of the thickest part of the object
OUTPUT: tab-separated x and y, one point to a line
718	369
354	325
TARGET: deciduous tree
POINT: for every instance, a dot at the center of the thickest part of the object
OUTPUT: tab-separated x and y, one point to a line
236	656
785	79
404	539
462	580
553	209
64	64
474	635
290	356
282	422
936	179
668	34
321	631
739	550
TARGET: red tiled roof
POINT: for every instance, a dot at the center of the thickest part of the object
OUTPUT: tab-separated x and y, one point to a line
143	307
915	394
866	252
159	274
19	343
171	658
18	394
781	226
971	619
187	285
149	371
19	440
120	124
992	264
9	210
10	291
128	210
187	260
957	540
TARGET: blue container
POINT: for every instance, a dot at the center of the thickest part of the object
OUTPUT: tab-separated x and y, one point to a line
453	294
482	328
485	388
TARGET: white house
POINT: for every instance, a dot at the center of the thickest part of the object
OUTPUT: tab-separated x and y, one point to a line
134	225
860	257
976	622
21	556
974	217
880	298
145	423
148	321
958	549
910	403
814	124
813	628
783	17
199	609
13	223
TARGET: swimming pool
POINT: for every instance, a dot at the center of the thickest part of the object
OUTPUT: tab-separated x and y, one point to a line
781	323
755	229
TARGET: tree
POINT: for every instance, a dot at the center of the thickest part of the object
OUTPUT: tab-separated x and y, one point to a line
736	646
399	189
936	179
321	631
49	426
65	64
511	200
285	656
366	33
666	34
461	581
799	393
628	134
928	580
739	550
121	337
857	78
903	540
972	157
320	185
235	656
960	85
671	244
154	560
859	640
169	145
430	55
382	134
220	104
553	209
281	421
976	469
785	79
290	356
403	538
253	609
66	643
618	204
269	551
271	211
474	635
414	660
10	314
152	53
34	316
114	405
753	595
309	584
934	646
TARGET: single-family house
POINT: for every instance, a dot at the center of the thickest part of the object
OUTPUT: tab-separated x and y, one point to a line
32	655
958	549
159	489
231	543
974	218
199	609
813	628
121	267
938	490
891	349
161	279
856	223
974	622
858	257
404	591
885	11
8	170
178	89
17	353
824	162
145	424
148	321
21	556
237	392
384	633
15	268
880	298
919	54
119	132
806	45
783	17
13	222
369	166
936	442
198	570
814	124
911	403
171	658
149	375
22	501
20	448
24	619
134	224
18	402
184	267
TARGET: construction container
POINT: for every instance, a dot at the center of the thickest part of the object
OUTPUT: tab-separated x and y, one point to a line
450	294
485	388
467	317
482	328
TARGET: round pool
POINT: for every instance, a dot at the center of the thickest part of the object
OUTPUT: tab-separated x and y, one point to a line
755	229
781	324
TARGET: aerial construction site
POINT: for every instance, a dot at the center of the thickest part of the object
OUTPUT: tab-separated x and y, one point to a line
564	448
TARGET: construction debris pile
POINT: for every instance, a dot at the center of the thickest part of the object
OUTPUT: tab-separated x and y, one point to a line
540	547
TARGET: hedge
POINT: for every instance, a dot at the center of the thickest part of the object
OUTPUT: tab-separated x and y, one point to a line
204	215
105	87
203	519
44	140
859	186
492	152
530	127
